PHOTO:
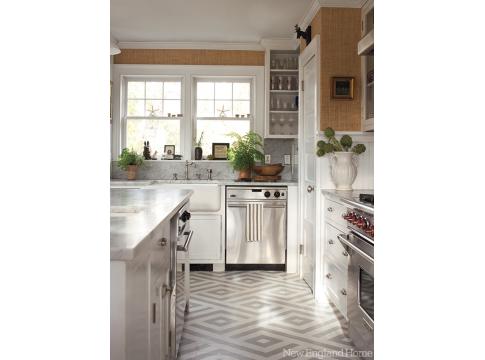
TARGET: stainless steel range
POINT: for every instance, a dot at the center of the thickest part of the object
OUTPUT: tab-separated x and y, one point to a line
256	226
359	243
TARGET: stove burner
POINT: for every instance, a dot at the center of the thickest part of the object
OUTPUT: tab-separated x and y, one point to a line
367	198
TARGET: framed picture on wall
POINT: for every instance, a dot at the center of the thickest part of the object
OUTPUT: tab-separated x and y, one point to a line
169	151
343	88
219	151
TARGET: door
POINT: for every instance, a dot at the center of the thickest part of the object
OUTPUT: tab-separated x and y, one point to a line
207	241
256	233
309	73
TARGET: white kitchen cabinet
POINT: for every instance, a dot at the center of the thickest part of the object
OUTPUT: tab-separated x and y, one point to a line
140	303
366	50
207	242
335	257
281	89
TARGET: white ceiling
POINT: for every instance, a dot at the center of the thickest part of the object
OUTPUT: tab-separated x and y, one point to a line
205	20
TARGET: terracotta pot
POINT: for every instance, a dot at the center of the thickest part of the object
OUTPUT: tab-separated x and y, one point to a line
131	172
245	174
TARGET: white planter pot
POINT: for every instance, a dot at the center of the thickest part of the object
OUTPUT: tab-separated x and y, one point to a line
343	169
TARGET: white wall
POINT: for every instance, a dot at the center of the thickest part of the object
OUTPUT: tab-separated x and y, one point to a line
365	171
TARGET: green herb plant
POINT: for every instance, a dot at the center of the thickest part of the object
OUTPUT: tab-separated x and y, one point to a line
129	157
245	150
198	143
333	145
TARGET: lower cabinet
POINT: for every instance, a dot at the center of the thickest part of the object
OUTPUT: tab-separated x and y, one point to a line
207	244
140	303
335	259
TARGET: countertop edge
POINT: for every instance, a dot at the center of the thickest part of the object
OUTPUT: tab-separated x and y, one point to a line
127	254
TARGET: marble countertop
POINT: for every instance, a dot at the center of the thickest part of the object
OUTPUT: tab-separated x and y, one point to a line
149	183
352	196
136	214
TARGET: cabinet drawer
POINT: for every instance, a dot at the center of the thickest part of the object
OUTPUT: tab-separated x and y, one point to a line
334	211
334	248
336	285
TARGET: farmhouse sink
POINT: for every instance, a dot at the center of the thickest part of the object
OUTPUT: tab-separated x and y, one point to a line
206	197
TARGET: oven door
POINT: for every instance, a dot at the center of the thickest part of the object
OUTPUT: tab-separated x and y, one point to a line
360	302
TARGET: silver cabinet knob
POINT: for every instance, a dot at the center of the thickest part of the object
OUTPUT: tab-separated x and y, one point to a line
329	276
330	242
163	242
330	209
343	292
345	253
310	188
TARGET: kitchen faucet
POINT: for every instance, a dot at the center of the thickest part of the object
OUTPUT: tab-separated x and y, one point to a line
187	164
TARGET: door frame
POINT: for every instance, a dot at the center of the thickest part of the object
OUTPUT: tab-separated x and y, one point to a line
312	50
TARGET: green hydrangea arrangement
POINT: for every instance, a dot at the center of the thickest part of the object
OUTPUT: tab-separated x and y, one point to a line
333	145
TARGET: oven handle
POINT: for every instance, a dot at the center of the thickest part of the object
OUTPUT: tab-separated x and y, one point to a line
187	241
355	248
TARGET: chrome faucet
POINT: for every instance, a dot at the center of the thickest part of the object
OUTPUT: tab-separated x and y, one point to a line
209	174
187	164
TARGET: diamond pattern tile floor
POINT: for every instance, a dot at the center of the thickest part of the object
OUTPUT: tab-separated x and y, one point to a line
260	315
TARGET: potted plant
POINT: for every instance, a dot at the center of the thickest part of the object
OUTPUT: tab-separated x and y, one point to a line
244	153
343	166
130	160
198	147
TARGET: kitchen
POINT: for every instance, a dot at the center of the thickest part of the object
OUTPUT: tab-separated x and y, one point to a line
245	134
237	163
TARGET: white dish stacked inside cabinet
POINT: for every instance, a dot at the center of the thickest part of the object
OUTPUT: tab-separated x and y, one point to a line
282	86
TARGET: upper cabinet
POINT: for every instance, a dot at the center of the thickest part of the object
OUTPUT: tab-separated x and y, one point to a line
365	49
282	84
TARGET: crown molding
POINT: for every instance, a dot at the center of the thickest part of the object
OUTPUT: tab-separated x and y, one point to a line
190	45
280	44
317	4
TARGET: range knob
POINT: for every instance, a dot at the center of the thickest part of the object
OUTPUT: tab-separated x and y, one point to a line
267	194
185	216
276	194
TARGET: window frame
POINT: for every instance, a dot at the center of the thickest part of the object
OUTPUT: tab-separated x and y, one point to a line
187	73
222	78
124	107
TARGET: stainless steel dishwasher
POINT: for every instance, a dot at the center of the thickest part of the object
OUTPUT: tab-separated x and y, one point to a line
256	226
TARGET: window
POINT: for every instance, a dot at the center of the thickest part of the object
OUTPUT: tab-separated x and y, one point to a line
222	106
153	113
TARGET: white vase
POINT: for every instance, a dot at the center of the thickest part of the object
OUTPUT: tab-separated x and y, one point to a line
343	169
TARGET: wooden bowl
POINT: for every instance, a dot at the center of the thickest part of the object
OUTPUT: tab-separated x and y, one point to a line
269	170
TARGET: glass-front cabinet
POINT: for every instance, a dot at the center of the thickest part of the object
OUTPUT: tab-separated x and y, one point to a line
282	86
366	50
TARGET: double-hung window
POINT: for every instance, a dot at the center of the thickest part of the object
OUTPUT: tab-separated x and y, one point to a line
153	112
223	105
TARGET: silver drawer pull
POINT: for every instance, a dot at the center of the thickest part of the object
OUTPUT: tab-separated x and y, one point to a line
330	209
330	242
343	292
345	253
329	276
163	241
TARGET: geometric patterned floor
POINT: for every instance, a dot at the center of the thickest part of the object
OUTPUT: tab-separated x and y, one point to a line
256	315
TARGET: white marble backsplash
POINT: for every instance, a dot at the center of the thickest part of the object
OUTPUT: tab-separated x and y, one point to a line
221	170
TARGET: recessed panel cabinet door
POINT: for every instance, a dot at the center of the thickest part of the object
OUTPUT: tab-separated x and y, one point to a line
137	309
206	242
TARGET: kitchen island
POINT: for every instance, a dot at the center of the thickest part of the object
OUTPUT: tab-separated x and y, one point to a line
144	231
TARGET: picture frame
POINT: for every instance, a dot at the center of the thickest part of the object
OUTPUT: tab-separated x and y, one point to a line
220	150
169	151
343	88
